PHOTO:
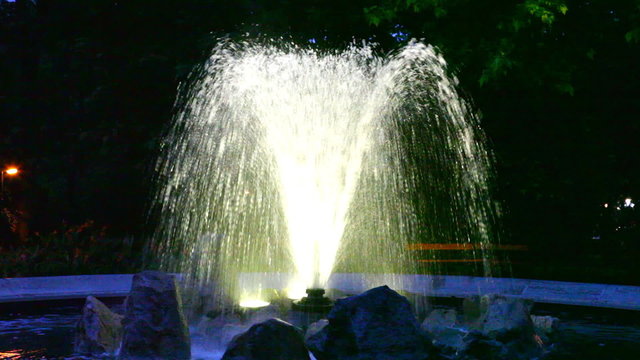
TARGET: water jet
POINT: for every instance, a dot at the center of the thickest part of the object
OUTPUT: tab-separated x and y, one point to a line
291	160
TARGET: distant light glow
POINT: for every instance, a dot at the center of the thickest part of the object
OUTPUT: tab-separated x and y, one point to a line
11	171
606	205
253	303
19	353
628	203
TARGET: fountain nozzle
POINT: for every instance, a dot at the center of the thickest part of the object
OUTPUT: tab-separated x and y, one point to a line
315	302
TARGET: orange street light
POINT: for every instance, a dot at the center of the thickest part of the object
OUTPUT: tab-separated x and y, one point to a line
11	171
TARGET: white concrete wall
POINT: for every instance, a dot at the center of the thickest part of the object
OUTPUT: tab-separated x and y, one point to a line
570	293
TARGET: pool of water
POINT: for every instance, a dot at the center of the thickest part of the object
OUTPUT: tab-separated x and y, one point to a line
38	330
581	340
45	331
593	333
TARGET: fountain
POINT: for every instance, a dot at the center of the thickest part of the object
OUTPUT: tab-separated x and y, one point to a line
288	167
294	163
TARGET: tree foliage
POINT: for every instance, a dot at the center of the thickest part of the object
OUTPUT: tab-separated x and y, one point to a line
555	81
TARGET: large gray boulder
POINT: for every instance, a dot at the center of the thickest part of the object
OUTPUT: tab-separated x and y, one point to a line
272	339
440	319
315	328
490	327
154	325
99	330
446	331
505	330
375	325
545	325
504	317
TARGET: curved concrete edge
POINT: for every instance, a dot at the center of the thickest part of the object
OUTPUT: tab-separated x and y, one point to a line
541	291
63	287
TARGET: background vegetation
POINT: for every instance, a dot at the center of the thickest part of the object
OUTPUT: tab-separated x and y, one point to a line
86	88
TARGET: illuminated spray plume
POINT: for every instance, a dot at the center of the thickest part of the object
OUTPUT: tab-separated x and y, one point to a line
295	161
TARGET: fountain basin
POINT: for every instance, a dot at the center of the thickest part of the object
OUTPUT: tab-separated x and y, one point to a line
540	291
45	329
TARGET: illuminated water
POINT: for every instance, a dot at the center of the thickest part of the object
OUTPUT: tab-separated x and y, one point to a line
291	160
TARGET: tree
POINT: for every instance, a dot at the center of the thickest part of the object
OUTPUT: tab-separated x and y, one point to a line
555	81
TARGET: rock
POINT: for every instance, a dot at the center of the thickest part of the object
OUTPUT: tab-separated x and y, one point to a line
221	326
420	303
545	324
483	348
505	330
273	339
226	334
208	326
490	327
154	324
505	317
256	315
439	319
446	331
375	325
99	330
221	329
315	328
452	340
472	310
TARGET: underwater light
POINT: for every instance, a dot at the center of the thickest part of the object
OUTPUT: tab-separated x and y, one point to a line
296	291
253	303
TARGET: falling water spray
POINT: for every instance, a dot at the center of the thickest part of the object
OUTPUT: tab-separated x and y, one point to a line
289	160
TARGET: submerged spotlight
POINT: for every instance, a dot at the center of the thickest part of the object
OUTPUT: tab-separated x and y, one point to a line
253	303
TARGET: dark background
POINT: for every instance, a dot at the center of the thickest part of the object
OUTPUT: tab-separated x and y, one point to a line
87	87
